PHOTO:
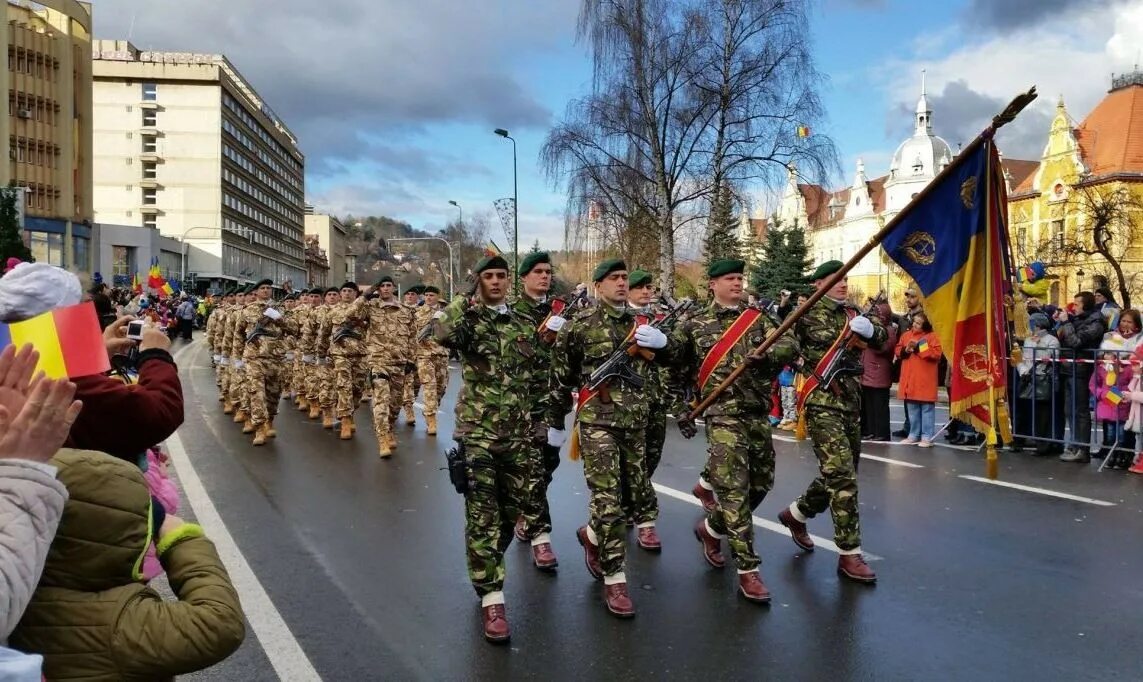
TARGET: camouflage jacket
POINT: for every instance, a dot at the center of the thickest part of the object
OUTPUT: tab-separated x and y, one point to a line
749	396
320	331
816	332
226	334
585	343
497	356
427	347
535	312
214	326
295	316
659	388
272	344
346	317
303	316
391	338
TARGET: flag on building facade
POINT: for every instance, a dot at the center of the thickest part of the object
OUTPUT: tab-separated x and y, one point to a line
952	241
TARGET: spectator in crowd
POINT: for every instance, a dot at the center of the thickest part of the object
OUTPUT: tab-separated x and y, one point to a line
1080	336
1036	386
103	306
919	350
1107	306
904	324
185	314
876	379
1126	335
1109	381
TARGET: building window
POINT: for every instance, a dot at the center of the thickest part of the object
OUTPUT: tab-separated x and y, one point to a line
150	92
46	247
150	196
150	170
150	118
122	261
79	250
150	145
150	221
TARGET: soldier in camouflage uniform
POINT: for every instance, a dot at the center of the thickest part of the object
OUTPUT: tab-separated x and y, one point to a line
390	343
234	351
535	523
611	424
323	369
432	359
304	352
411	385
215	325
496	346
709	345
290	380
346	323
261	331
833	422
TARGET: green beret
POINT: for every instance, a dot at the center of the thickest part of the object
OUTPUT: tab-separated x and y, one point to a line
430	289
384	279
264	283
726	266
316	290
638	278
351	285
292	297
248	289
490	263
826	269
532	260
606	268
333	290
417	289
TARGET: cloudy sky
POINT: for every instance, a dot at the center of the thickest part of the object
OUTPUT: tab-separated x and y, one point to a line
394	101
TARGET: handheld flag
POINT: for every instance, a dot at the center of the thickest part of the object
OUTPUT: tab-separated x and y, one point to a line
69	340
1114	395
492	249
155	276
923	345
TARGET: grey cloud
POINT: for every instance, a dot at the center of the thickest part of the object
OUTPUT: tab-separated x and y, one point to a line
337	70
960	113
1009	15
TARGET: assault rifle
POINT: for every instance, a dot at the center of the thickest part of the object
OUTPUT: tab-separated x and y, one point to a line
618	365
346	331
457	467
558	306
841	363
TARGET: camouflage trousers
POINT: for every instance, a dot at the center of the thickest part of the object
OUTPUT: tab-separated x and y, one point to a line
837	444
264	380
497	476
224	380
388	390
411	385
647	510
326	384
616	476
544	460
238	396
349	377
740	466
432	370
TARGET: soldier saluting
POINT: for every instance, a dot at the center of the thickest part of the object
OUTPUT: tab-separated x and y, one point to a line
496	347
833	420
740	459
611	425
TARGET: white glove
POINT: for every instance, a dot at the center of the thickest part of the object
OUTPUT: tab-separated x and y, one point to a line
649	337
557	437
862	326
238	364
308	359
439	315
555	323
290	356
217	358
223	360
272	313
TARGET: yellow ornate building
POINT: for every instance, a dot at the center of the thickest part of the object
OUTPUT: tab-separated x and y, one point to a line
1093	168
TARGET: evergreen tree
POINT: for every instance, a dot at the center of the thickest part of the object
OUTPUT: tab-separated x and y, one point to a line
535	247
798	258
784	264
11	241
721	240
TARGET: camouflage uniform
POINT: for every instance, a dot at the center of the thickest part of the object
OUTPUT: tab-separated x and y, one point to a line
432	361
496	347
740	456
390	344
348	353
323	363
655	434
833	422
544	457
304	354
234	350
411	384
214	337
263	358
290	380
611	434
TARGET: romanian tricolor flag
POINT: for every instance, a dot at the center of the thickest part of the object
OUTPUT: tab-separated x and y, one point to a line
155	276
952	240
923	345
136	285
1114	395
69	340
803	132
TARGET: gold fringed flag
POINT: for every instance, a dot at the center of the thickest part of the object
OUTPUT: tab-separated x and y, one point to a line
952	241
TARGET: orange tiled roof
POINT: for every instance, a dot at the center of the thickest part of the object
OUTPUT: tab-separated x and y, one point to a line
758	227
817	202
1111	137
1022	172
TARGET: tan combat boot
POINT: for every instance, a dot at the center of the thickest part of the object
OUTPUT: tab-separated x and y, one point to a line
228	407
431	424
248	427
410	418
315	410
346	428
391	440
383	449
270	432
260	435
240	416
327	419
303	404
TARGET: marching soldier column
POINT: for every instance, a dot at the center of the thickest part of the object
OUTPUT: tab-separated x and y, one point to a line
411	384
432	359
390	344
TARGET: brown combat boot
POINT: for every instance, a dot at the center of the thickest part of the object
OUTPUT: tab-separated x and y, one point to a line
327	419
543	557
590	553
648	539
260	435
798	530
711	546
853	566
391	440
521	530
346	428
228	407
618	601
495	623
750	585
430	425
315	411
706	497
240	416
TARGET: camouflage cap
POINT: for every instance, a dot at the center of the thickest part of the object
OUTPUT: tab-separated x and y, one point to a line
726	266
532	260
638	278
826	269
606	268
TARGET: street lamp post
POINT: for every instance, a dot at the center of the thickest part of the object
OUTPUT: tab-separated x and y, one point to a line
183	249
432	239
460	212
515	214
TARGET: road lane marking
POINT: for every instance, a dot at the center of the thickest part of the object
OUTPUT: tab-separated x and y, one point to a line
895	462
773	526
1041	491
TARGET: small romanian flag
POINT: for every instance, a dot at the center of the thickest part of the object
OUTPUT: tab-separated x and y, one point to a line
166	288
1114	395
803	131
923	345
69	340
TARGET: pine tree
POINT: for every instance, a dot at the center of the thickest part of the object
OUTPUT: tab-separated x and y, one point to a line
784	264
535	247
797	258
11	241
721	240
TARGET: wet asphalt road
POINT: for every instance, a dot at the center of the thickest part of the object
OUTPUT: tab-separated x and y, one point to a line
364	561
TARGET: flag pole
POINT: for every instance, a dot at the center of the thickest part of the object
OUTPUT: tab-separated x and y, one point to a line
1000	120
992	465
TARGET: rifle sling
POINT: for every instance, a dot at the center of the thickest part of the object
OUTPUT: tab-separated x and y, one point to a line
815	379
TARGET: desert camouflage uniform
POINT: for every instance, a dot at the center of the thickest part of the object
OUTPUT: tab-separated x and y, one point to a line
323	363
234	352
611	434
214	327
496	347
545	458
263	359
304	353
411	385
348	353
290	361
740	457
390	345
432	361
833	422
